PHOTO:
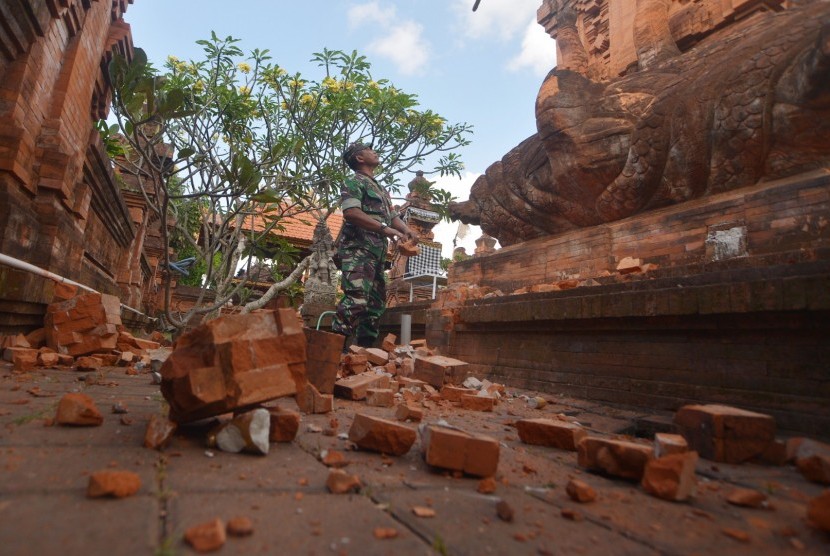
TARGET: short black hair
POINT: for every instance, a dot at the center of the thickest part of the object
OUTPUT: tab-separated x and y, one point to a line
353	150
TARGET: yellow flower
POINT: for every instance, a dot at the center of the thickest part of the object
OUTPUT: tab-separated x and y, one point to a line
199	86
331	83
284	105
368	101
306	99
279	72
243	67
296	83
373	84
173	60
244	90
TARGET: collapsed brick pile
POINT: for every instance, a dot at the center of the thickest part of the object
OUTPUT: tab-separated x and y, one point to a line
81	332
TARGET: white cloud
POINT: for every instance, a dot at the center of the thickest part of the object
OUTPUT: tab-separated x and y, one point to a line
538	51
400	41
500	19
370	13
405	46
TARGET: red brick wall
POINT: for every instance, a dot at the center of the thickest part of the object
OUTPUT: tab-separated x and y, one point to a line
59	206
749	330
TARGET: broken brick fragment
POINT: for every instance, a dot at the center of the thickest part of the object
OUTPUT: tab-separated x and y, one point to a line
812	458
550	432
47	359
159	432
284	424
384	533
118	484
818	511
355	387
580	491
666	444
478	403
409	411
381	435
77	409
84	324
619	458
505	511
438	370
323	350
206	537
723	433
340	482
747	498
486	485
389	343
235	361
458	450
240	526
454	393
310	400
671	477
376	356
21	358
88	363
380	397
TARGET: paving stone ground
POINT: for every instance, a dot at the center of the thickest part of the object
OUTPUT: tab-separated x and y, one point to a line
44	471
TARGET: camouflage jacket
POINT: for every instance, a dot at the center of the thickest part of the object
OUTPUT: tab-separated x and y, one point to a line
363	192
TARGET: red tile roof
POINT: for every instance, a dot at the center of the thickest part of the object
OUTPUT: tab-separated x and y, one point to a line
298	229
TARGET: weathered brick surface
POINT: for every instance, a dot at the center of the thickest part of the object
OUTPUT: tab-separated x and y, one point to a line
84	324
235	361
380	397
460	451
60	206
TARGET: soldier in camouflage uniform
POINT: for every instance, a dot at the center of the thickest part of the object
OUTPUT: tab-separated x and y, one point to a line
370	221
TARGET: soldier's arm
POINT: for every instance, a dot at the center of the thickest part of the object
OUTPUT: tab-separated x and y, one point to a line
407	233
362	220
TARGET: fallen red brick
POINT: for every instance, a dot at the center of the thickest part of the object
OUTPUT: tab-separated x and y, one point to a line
453	393
355	387
666	444
747	498
118	484
478	403
580	491
340	482
409	411
284	424
671	477
614	457
723	433
381	435
78	410
380	397
818	511
206	537
438	370
240	526
549	432
460	451
159	432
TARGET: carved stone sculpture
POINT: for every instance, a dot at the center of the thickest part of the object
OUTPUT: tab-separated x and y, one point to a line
749	103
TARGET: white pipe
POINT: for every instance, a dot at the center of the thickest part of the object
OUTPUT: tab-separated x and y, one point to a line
23	265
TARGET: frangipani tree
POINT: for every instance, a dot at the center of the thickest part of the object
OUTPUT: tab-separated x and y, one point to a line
218	142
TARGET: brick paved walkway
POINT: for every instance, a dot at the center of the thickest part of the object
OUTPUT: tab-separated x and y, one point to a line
44	472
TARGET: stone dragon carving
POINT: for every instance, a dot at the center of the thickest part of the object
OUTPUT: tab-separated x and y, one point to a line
750	103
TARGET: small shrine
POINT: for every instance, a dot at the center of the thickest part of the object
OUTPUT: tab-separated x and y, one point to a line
417	278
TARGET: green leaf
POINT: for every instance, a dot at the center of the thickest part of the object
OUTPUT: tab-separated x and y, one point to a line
186	152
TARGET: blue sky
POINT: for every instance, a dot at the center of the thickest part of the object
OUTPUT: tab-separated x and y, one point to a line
482	68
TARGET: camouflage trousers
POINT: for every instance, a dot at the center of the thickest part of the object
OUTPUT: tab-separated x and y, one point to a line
364	290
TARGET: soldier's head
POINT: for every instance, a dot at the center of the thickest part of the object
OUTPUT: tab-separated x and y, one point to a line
360	154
